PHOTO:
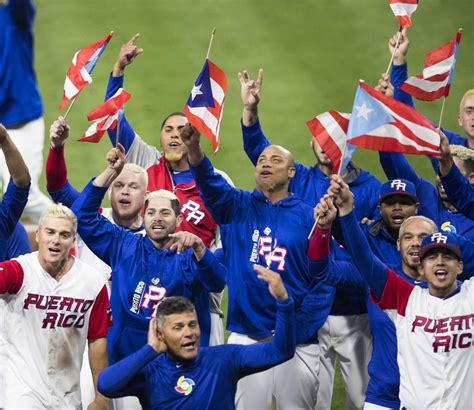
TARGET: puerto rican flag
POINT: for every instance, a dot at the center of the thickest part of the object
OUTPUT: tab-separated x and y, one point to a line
106	116
78	75
329	129
403	9
205	104
381	123
437	73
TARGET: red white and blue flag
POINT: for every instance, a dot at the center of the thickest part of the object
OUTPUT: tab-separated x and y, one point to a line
381	123
403	9
83	62
329	129
206	102
106	116
437	73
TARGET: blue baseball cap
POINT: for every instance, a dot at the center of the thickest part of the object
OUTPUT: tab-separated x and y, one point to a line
398	187
440	240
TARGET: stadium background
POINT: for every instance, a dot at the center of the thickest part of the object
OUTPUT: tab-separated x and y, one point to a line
313	53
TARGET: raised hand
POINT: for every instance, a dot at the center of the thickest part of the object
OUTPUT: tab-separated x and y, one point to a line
186	240
340	192
116	159
128	52
384	85
401	52
189	135
325	212
58	132
250	90
446	160
275	284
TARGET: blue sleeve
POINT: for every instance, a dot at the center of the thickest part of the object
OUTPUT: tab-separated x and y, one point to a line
18	244
127	376
66	195
100	235
22	13
127	134
13	203
344	274
460	192
261	356
254	141
211	273
313	311
219	196
372	270
395	165
454	139
467	256
398	76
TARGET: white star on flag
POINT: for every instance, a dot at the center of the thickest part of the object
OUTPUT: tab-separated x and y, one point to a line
363	111
196	91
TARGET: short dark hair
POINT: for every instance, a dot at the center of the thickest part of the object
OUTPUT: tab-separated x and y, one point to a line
171	306
164	193
177	113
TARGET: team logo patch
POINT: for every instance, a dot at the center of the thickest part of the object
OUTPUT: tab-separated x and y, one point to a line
184	385
446	226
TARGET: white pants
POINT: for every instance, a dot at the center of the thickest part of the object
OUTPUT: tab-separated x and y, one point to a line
291	385
29	139
347	338
217	330
372	406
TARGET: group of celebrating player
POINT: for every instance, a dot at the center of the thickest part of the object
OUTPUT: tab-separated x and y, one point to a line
383	283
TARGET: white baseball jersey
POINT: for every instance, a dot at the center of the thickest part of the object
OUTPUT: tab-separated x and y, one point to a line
47	324
435	339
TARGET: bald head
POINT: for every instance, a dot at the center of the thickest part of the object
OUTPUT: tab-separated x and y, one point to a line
275	167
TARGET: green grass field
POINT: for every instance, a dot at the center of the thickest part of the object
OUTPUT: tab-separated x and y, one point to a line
313	53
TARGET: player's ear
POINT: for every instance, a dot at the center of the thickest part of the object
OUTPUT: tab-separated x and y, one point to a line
398	244
179	219
37	235
460	267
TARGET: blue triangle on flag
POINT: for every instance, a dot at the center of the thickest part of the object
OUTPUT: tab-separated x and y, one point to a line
201	94
367	114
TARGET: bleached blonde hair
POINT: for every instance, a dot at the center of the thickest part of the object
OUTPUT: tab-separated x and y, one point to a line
429	221
59	211
468	93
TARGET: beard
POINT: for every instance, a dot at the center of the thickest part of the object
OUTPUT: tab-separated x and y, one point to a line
173	156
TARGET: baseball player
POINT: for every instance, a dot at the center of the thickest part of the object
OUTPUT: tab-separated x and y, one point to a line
269	227
346	334
434	325
172	371
127	196
146	269
169	169
54	303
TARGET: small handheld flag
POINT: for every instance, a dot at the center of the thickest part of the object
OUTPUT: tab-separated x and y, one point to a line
106	116
381	123
205	104
435	82
329	129
83	62
403	9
